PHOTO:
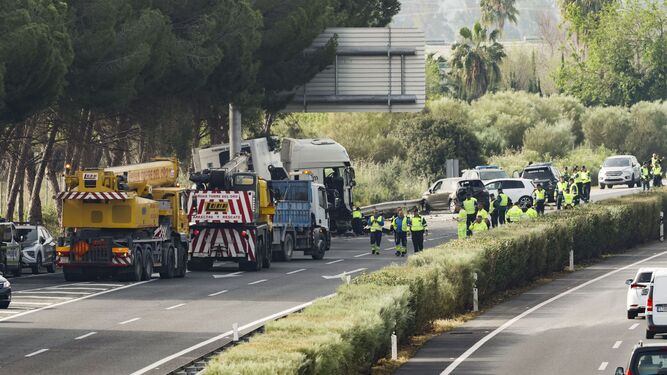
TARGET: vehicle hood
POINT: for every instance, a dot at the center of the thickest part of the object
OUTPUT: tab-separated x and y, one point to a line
615	169
29	246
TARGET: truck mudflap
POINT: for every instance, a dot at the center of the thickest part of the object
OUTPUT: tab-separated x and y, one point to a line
223	243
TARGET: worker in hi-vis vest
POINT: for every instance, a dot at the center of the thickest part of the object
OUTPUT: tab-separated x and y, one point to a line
376	223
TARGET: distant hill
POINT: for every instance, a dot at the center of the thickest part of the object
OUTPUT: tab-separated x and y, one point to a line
441	19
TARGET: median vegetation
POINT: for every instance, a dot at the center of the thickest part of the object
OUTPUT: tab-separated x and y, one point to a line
349	332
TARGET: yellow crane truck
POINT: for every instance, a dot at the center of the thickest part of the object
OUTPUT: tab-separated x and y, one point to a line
124	222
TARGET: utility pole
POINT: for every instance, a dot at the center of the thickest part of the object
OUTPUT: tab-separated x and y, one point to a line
234	130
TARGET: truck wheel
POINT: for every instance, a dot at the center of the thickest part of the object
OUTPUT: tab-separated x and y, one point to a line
255	266
602	186
266	258
288	248
72	276
51	267
318	254
137	266
4	305
182	266
19	270
147	273
200	264
38	264
167	270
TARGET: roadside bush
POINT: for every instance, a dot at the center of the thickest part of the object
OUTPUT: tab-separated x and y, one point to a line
347	333
386	182
607	126
649	123
550	140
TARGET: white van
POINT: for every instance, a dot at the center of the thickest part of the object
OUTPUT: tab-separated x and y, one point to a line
656	305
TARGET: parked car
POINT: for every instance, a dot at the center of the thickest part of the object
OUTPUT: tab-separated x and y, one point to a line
545	174
517	189
5	292
645	359
656	305
38	248
466	188
439	195
10	248
485	173
620	170
638	292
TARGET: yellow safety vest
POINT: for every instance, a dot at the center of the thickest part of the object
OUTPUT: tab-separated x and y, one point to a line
375	223
417	224
532	213
574	189
645	173
514	214
469	205
483	213
586	178
569	198
356	214
462	225
539	195
657	170
577	178
404	224
562	186
504	199
478	227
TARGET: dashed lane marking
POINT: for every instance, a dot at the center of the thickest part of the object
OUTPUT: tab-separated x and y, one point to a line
617	345
295	271
128	321
40	351
217	293
175	306
603	366
335	261
362	255
86	335
257	282
633	326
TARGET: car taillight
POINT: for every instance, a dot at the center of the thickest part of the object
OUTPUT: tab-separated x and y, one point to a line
635	285
629	372
649	303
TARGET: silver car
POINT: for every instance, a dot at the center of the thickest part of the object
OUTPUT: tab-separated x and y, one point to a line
39	248
10	249
619	170
439	195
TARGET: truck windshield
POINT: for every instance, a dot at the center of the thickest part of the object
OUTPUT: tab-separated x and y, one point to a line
290	191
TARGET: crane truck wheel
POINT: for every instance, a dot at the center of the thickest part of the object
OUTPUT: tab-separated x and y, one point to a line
255	266
137	266
167	271
266	259
287	248
319	250
181	268
147	273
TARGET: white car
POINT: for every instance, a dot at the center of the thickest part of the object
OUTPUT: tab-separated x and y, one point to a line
656	305
485	173
619	170
638	291
517	189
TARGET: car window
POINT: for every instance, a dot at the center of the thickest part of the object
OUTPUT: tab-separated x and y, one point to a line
493	185
537	174
644	277
437	186
475	184
653	362
511	184
29	234
6	233
617	162
492	175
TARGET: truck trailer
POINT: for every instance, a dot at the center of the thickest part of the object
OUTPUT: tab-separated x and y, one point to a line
123	221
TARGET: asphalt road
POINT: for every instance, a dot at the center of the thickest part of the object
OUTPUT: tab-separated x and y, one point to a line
111	327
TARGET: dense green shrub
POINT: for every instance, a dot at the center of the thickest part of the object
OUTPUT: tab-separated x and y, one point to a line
607	126
348	332
550	140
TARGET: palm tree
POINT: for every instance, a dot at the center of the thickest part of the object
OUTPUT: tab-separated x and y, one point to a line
497	11
476	61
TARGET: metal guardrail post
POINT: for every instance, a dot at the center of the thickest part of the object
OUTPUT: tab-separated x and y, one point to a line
662	226
394	346
475	294
571	266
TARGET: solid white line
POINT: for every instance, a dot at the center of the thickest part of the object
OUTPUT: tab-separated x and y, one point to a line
295	271
52	292
225	334
74	300
217	293
362	255
98	284
40	351
86	335
129	321
335	261
509	323
30	303
617	345
634	326
603	366
73	288
257	282
41	297
175	306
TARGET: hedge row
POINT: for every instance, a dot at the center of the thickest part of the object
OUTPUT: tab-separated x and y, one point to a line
347	333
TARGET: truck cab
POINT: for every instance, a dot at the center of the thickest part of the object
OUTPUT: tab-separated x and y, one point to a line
10	249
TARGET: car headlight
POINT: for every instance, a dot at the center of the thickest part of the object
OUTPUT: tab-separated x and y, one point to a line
30	253
6	284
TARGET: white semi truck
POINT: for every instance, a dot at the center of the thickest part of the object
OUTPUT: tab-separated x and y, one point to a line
326	161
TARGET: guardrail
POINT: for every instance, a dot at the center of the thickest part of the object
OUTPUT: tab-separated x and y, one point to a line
390	207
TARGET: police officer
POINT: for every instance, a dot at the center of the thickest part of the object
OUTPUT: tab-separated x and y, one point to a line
503	203
540	198
561	188
493	210
657	175
531	213
578	179
646	177
481	211
357	217
514	214
478	226
417	227
586	184
376	222
470	205
574	190
400	226
462	219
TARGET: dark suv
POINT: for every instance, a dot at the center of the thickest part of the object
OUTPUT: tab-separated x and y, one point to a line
646	359
474	188
545	174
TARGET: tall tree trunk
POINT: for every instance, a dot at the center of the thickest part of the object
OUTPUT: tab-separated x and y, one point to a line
35	207
20	170
52	175
20	203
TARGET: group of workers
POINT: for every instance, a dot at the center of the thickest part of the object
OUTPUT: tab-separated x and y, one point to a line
651	171
401	225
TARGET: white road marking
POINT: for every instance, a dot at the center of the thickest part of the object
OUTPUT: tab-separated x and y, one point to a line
52	292
73	300
175	306
14	302
634	326
335	261
128	321
234	274
40	351
280	314
73	288
617	345
510	322
257	282
86	335
217	293
295	271
603	366
98	284
362	255
42	297
344	274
